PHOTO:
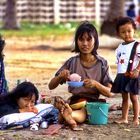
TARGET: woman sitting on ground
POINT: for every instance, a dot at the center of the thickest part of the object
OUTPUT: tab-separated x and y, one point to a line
92	68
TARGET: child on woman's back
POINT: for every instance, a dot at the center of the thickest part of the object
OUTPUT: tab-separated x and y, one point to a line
3	89
128	67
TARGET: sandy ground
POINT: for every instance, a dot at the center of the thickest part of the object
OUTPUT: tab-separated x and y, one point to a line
38	63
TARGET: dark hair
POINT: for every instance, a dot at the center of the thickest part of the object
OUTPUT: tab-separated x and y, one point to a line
132	6
24	89
86	27
124	20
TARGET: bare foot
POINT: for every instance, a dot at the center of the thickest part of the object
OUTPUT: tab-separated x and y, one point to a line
59	103
136	122
66	112
121	121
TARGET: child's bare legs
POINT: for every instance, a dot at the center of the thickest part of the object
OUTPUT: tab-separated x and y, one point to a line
135	103
125	108
79	115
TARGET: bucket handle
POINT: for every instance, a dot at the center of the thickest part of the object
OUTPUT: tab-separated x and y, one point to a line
89	114
103	112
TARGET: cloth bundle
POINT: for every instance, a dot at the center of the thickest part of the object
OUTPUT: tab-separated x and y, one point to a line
46	112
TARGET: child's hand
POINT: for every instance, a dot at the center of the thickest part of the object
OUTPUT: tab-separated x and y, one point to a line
134	73
65	74
89	83
29	109
34	110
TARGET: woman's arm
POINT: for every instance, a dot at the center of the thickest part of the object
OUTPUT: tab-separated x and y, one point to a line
62	77
55	82
104	90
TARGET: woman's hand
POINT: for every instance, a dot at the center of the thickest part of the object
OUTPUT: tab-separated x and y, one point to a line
64	75
89	83
104	90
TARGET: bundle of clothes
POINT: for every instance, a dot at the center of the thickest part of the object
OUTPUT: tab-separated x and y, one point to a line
47	114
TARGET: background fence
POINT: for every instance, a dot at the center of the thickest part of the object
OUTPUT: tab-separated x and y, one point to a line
56	11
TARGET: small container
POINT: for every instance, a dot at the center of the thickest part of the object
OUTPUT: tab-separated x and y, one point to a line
75	84
44	124
43	97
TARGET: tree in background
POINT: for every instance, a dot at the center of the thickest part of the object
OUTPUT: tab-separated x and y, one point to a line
10	18
115	11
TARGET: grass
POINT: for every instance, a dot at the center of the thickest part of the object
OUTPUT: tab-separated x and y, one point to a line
46	30
41	30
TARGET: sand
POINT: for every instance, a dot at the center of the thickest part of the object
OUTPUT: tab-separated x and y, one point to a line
38	64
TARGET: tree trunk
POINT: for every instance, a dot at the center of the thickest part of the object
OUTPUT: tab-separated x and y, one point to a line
115	11
10	19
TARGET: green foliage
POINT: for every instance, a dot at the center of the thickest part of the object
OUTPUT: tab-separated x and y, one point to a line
42	30
46	30
137	33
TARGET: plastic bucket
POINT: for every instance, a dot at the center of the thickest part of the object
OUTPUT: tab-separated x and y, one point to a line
97	112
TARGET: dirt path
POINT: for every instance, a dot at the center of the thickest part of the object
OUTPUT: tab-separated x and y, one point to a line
38	66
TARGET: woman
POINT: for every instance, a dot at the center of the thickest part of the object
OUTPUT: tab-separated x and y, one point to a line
92	68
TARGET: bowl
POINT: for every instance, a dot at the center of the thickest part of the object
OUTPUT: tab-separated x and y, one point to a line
75	84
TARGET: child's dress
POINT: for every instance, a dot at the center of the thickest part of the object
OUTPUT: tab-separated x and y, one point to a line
123	83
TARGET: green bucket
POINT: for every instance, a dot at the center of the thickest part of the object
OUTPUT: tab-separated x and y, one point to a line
97	112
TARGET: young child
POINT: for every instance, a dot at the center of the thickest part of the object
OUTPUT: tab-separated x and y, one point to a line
92	68
3	83
21	99
126	81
